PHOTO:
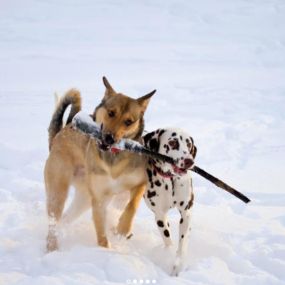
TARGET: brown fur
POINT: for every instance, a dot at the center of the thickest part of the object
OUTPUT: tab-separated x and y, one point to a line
97	175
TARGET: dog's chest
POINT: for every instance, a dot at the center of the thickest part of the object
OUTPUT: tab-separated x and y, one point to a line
166	192
106	184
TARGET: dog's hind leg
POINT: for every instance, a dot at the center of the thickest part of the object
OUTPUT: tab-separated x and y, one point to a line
163	226
57	190
184	227
81	203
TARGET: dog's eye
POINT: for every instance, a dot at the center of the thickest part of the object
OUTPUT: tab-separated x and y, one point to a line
174	144
128	122
111	114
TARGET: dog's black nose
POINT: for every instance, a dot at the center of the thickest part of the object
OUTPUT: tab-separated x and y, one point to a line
188	162
109	139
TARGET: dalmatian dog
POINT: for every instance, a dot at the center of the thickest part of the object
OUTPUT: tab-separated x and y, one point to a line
170	186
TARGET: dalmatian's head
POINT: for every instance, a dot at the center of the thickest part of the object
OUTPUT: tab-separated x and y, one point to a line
176	144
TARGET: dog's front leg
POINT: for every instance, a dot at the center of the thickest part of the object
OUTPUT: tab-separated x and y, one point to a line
126	219
163	227
99	217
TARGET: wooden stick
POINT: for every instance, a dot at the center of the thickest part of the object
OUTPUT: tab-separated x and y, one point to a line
219	183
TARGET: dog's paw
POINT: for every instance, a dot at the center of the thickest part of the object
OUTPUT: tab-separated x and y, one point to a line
176	270
121	235
104	242
177	267
123	229
52	243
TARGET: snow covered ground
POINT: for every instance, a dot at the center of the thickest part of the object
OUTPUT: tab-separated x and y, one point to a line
219	68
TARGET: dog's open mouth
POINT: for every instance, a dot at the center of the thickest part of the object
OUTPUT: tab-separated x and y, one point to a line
179	171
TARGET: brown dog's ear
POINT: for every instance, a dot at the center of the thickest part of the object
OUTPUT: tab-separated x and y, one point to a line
144	100
109	89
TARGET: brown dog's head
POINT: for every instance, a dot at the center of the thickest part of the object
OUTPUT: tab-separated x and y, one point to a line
120	116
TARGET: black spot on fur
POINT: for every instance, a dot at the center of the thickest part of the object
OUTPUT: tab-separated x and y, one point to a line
173	134
157	183
149	174
152	203
166	187
161	132
182	236
181	203
150	194
167	149
174	202
147	137
190	203
166	233
181	220
153	144
172	182
160	223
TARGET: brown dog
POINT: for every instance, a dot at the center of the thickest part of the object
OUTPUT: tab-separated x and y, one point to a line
95	172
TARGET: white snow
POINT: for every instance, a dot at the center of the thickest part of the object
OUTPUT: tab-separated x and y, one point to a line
219	68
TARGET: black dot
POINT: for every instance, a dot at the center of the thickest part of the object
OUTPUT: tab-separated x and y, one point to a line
182	236
161	132
166	233
149	174
157	183
181	203
173	134
153	144
151	194
152	203
181	220
166	187
160	223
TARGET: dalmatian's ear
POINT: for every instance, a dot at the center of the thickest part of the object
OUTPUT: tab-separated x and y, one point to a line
194	151
152	141
192	148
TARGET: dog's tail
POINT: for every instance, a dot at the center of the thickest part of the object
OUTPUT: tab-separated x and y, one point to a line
73	98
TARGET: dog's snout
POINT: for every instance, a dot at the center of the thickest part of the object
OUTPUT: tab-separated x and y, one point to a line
109	139
188	162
